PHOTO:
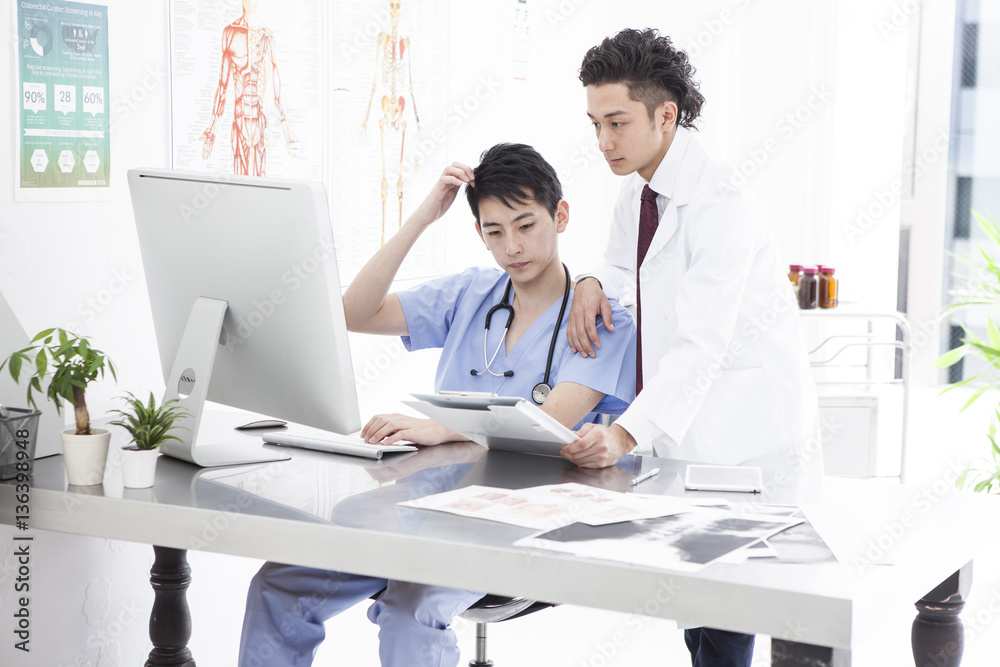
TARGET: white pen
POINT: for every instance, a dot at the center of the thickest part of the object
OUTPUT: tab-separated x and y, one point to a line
646	475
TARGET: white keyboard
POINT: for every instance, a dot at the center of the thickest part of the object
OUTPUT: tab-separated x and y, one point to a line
334	443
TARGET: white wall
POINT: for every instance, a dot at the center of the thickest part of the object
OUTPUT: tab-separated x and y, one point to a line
807	100
77	265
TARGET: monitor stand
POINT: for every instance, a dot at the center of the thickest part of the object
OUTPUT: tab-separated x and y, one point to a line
188	383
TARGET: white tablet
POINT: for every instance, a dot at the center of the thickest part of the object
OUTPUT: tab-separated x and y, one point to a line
745	479
508	423
467	401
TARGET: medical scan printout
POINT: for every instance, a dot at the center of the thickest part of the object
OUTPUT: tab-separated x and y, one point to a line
684	542
551	506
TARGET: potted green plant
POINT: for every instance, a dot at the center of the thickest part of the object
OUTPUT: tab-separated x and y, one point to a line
149	426
69	364
981	290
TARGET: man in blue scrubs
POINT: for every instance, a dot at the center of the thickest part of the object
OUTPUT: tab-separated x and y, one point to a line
516	198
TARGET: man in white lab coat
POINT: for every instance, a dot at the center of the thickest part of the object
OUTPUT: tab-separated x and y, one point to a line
721	365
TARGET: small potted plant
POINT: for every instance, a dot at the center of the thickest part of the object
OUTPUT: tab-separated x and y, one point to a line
69	364
150	425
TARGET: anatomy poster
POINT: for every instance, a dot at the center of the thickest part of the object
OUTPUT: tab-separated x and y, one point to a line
247	87
63	142
390	120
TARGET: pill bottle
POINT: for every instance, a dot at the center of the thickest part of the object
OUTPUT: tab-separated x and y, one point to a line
794	273
808	288
828	287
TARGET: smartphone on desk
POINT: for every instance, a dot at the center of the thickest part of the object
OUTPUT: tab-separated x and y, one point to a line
744	479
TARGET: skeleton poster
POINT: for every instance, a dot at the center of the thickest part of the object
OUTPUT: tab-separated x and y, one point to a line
63	142
350	93
389	126
247	87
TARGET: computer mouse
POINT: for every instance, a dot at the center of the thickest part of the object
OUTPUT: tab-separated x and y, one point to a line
261	423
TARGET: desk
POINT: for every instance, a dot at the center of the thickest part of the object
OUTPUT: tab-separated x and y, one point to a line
930	534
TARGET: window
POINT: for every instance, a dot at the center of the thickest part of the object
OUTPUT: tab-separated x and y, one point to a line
974	180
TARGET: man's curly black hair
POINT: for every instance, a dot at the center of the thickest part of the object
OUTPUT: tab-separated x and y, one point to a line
653	70
514	173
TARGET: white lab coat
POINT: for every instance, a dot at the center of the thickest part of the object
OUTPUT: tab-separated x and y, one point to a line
726	378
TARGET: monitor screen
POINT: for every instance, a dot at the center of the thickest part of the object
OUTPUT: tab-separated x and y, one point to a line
263	248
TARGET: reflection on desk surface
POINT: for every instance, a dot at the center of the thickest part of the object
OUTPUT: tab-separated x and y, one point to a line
309	485
348	490
316	483
362	493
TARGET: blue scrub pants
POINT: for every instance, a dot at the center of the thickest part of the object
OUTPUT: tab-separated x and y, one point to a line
719	648
287	605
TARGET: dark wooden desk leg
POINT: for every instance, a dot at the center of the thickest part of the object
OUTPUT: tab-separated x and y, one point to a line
938	636
170	620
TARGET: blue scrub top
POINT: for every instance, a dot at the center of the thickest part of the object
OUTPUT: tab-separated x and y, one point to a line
450	313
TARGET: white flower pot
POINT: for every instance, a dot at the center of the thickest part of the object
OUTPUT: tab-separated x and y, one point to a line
139	467
85	455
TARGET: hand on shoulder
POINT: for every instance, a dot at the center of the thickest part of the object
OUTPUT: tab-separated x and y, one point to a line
589	302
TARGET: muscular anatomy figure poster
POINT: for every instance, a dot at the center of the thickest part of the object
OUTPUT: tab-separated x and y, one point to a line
246	87
284	89
250	66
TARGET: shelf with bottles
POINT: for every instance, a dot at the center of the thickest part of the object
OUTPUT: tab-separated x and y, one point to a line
860	360
815	286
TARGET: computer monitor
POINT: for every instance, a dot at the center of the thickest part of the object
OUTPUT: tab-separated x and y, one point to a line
245	296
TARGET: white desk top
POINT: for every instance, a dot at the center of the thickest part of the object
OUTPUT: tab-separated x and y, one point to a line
926	533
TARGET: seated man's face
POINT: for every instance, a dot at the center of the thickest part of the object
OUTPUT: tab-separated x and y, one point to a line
522	239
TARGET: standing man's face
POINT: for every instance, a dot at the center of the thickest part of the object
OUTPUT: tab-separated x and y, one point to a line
627	137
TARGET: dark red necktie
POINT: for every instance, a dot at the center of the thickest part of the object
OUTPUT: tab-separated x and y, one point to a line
649	218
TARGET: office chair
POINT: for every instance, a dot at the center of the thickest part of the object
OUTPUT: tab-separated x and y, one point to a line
496	608
492	609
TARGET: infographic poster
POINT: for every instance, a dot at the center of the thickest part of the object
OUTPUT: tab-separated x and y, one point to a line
64	142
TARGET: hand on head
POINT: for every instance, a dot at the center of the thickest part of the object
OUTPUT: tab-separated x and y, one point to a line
443	194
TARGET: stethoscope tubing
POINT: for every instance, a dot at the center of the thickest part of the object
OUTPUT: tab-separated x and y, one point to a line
543	388
555	332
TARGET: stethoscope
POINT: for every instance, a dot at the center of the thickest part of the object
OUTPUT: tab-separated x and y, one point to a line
541	390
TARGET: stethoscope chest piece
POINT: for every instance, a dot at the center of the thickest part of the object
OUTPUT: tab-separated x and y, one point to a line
540	392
